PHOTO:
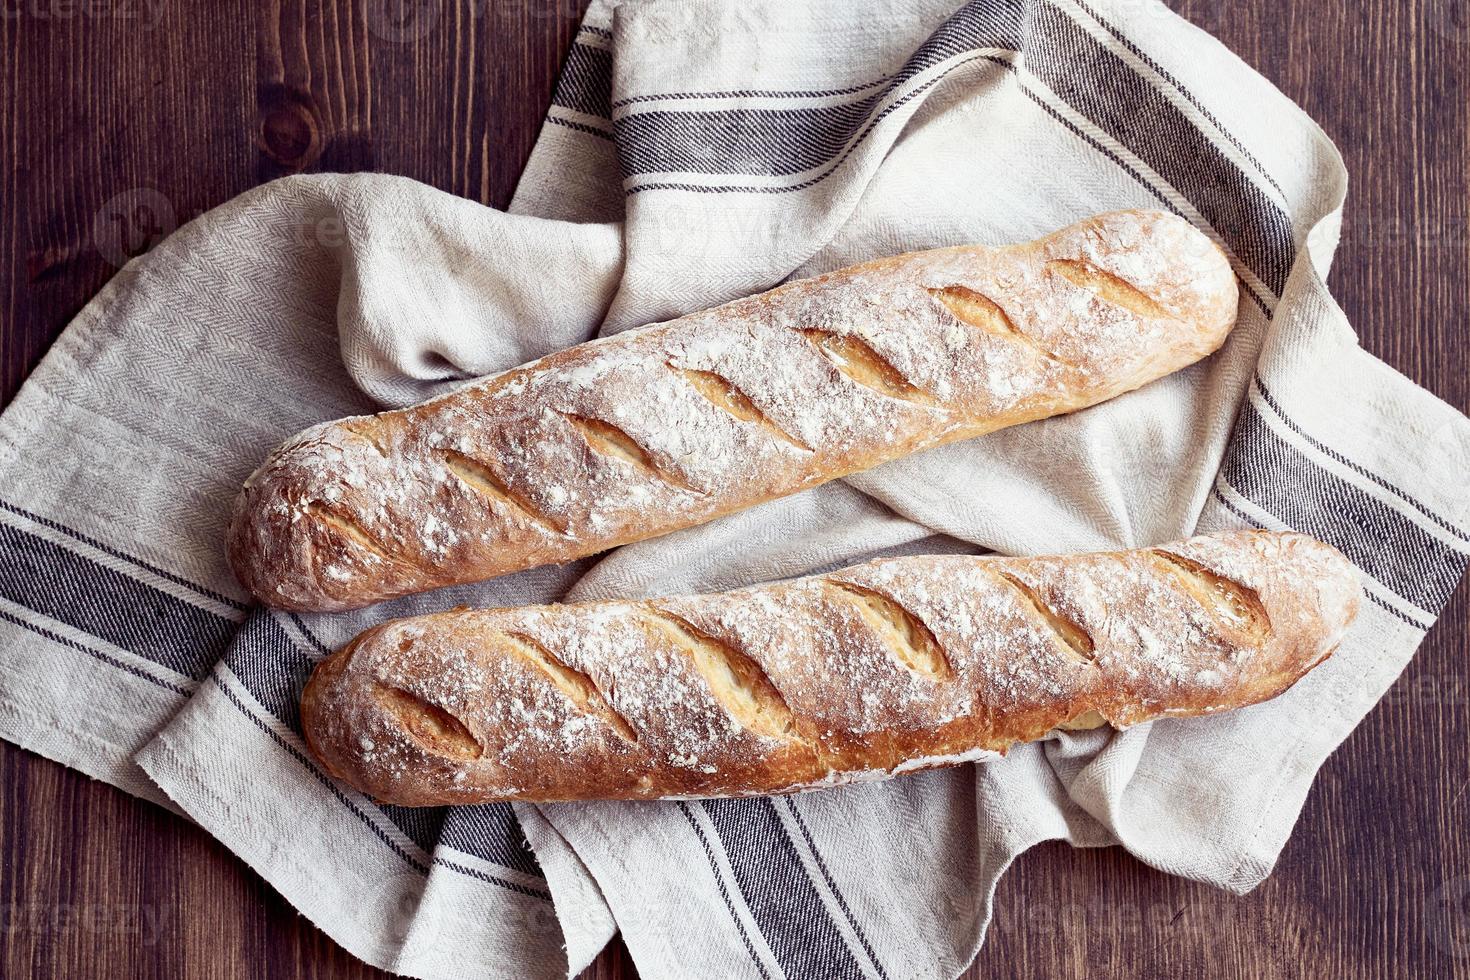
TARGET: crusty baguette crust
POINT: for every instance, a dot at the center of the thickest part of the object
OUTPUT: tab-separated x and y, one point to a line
669	426
885	667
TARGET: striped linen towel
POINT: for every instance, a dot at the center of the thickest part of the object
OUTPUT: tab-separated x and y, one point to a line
698	151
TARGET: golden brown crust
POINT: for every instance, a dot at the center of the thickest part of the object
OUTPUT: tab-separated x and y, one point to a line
885	667
672	425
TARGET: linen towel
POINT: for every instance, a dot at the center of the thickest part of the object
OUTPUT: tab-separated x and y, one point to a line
698	151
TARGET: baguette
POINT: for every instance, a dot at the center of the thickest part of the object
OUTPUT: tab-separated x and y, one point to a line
672	425
882	668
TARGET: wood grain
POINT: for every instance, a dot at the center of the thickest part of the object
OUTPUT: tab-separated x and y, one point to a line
118	121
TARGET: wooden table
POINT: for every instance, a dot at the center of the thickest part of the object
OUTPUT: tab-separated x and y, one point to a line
204	102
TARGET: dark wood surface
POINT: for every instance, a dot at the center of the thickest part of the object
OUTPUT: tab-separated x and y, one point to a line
120	119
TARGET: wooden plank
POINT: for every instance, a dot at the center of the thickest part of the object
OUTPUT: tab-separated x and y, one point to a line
114	128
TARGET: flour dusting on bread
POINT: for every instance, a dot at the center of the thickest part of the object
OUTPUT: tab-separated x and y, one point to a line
797	684
675	424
